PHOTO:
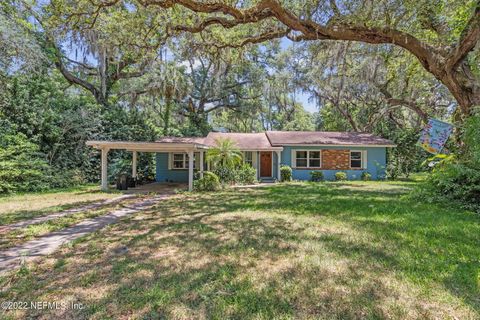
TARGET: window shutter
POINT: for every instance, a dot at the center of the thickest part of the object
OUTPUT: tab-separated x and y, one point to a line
254	159
294	159
169	161
364	159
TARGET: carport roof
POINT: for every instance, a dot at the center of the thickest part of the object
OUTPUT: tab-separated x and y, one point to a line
143	146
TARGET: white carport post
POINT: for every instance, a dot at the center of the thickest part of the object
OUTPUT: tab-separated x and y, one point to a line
190	170
104	176
134	164
201	163
279	160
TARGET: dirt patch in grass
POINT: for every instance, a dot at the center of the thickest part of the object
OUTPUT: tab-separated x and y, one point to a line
286	251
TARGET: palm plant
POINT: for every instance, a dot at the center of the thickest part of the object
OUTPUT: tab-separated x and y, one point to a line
225	153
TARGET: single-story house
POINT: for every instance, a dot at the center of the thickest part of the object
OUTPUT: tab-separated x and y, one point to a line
304	151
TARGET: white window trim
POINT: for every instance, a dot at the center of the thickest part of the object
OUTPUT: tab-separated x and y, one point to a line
362	156
294	158
185	161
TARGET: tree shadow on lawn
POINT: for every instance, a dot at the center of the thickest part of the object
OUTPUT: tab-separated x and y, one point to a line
302	251
429	241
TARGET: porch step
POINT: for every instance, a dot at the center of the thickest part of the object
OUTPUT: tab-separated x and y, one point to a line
267	180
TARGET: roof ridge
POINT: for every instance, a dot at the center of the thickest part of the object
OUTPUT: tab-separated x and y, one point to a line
268	138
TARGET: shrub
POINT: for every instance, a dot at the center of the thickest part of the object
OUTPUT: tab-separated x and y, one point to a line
67	178
341	176
22	166
285	173
209	182
246	174
316	176
456	178
226	174
452	182
366	176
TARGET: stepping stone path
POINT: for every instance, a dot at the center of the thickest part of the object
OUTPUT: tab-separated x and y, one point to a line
14	257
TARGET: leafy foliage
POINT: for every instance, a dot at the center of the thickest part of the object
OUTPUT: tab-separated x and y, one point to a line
340	176
455	183
456	179
366	176
407	156
227	175
224	154
285	173
22	167
209	182
316	176
246	174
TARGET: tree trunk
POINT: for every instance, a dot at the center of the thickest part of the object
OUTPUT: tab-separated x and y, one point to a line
166	117
465	88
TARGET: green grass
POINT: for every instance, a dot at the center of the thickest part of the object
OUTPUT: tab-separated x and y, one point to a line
21	207
17	236
352	250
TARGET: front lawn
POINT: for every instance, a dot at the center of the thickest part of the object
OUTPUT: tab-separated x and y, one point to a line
21	207
300	250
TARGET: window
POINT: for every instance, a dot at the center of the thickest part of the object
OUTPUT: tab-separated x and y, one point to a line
248	158
314	159
308	159
180	160
356	159
302	159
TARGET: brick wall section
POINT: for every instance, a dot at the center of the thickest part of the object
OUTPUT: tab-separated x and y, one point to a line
335	159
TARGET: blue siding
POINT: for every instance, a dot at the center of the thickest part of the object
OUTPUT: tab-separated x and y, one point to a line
165	175
376	162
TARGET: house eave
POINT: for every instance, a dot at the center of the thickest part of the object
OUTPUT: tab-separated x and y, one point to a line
338	145
145	146
262	149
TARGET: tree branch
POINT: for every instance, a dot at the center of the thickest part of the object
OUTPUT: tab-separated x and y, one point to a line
309	29
468	40
395	102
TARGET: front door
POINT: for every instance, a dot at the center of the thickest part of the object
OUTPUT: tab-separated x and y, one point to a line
265	164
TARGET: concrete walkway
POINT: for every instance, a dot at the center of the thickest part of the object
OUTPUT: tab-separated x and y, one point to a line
95	205
14	257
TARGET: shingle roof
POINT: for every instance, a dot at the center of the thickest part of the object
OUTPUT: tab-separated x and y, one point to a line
244	141
199	140
281	138
271	139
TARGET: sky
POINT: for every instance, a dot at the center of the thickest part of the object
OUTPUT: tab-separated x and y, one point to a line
308	106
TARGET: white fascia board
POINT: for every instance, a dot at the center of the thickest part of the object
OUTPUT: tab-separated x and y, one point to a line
262	149
145	146
342	145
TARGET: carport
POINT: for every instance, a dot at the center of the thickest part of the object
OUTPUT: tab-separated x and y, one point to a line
186	145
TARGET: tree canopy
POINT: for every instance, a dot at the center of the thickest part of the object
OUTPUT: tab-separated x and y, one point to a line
441	35
140	69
